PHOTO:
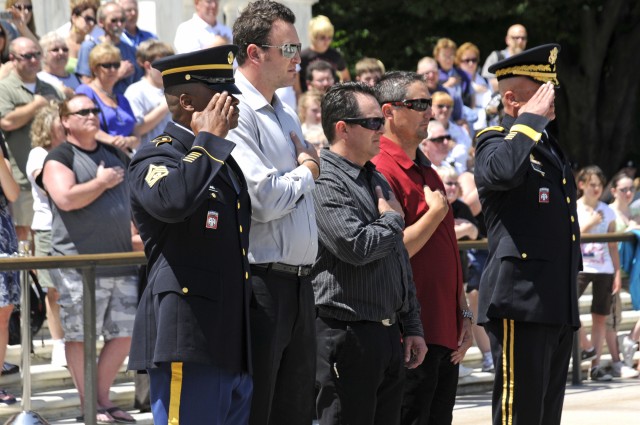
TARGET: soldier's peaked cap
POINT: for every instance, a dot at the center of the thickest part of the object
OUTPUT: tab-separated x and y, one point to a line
212	67
537	63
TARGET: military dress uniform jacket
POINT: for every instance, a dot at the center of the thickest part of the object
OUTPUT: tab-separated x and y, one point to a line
191	205
528	198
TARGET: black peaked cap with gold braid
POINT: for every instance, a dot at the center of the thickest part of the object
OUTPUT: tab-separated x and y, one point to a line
538	63
212	67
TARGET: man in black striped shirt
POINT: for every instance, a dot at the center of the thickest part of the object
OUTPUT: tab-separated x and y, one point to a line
364	291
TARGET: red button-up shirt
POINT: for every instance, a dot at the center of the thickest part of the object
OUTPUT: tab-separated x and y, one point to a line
436	267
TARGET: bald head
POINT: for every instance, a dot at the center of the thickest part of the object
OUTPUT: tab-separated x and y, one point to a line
516	39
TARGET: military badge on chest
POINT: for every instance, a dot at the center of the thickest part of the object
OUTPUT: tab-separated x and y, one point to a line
212	220
543	195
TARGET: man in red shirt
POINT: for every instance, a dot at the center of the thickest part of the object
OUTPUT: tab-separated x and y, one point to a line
429	237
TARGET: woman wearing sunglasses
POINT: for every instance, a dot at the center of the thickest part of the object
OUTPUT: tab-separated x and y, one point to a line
82	22
467	59
55	55
117	121
23	21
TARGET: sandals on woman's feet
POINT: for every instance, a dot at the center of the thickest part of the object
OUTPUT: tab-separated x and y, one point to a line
6	398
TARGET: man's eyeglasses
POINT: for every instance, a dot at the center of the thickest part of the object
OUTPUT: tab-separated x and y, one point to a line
440	139
519	37
21	7
29	56
116	20
375	123
419	105
469	60
110	65
86	112
288	50
60	50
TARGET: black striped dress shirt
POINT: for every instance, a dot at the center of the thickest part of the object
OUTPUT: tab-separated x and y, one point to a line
362	271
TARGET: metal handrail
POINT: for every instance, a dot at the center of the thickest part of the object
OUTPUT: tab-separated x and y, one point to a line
88	264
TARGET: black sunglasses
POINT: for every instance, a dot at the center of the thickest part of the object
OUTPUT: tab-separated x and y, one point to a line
26	7
440	139
29	56
419	105
112	65
469	60
374	123
86	112
89	20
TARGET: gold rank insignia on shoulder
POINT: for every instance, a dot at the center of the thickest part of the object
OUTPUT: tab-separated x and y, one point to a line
155	174
162	139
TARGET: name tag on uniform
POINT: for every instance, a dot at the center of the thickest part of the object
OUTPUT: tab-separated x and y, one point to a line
212	220
543	195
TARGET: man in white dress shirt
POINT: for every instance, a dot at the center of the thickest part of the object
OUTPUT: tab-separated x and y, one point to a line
280	171
201	30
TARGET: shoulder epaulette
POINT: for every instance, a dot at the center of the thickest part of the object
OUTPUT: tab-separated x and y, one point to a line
161	139
497	128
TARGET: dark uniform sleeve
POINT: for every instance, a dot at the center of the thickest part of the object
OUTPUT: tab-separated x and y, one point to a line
169	185
502	158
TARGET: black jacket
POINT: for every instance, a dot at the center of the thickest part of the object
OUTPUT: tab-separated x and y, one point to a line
528	198
195	228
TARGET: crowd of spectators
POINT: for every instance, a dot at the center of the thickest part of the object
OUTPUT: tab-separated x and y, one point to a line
101	63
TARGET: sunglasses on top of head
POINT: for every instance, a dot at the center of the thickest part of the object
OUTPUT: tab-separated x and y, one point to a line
419	105
374	123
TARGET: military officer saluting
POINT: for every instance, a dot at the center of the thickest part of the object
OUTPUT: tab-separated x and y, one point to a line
190	203
528	301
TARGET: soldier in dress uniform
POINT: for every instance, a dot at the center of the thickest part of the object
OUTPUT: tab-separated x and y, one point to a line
528	301
190	203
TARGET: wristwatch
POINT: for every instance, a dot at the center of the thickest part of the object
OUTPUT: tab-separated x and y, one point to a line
468	314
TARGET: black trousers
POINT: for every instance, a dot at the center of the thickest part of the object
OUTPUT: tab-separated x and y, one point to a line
359	373
430	389
283	346
531	362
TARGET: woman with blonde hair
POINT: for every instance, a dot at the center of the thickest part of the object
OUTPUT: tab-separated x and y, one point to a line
46	133
321	33
467	60
117	121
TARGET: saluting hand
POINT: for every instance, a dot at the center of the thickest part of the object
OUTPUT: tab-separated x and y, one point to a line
216	117
391	204
541	103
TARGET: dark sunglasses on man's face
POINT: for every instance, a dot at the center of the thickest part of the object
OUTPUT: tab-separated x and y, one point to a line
419	105
440	139
86	112
29	56
110	65
374	123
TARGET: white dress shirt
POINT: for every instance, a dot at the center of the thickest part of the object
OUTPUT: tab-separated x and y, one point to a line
283	223
196	34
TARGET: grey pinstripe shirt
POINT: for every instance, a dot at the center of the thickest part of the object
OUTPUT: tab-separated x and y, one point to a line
362	271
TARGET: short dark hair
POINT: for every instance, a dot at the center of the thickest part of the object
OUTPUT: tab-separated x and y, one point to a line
339	103
318	65
394	84
254	24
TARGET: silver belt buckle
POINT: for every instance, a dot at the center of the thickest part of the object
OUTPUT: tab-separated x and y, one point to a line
386	322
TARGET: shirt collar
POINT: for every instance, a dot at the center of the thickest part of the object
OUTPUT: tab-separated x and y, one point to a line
398	155
201	23
250	94
348	167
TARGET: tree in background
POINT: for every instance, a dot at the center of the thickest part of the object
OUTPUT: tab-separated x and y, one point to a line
597	104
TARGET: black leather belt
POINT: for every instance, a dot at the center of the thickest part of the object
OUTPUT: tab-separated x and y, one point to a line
300	271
